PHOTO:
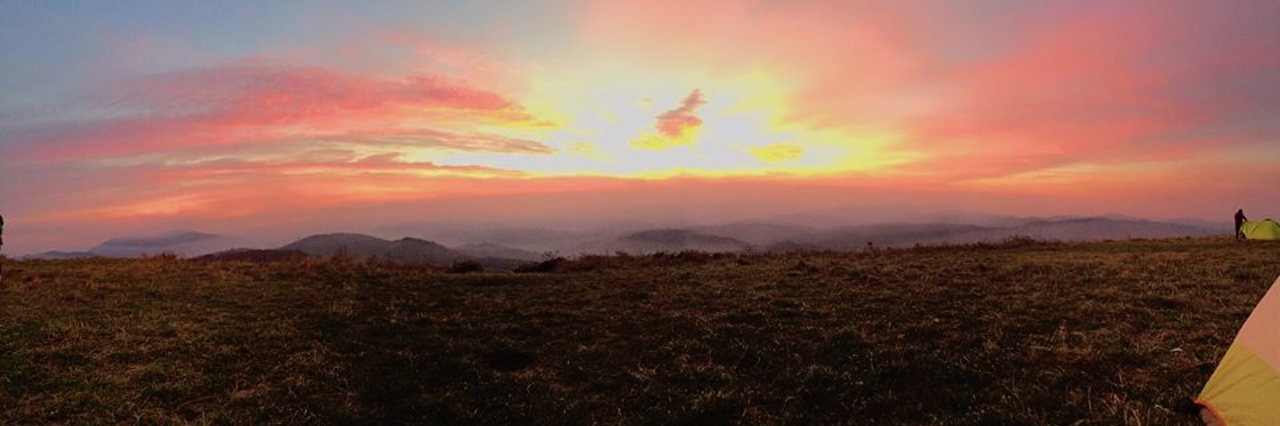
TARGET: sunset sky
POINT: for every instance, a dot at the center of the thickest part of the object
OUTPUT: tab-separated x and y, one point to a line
277	119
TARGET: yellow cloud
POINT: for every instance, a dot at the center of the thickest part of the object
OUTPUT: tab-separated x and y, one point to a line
658	141
588	150
777	152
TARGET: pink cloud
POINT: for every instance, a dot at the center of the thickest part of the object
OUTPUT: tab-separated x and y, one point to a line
263	104
676	122
985	90
1104	84
246	171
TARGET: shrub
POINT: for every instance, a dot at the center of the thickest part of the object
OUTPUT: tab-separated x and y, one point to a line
465	266
1022	241
164	256
549	265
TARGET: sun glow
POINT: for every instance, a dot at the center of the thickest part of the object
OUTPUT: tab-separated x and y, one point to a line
663	123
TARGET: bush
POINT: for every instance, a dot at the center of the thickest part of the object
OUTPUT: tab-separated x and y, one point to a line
550	265
166	255
465	266
1021	241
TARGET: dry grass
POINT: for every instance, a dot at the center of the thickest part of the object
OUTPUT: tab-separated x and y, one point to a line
1023	333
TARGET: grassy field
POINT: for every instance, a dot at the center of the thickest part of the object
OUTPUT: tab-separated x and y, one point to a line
1020	333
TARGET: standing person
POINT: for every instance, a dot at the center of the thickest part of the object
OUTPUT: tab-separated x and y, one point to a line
1239	221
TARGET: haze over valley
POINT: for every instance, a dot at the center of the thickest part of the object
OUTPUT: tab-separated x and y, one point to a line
506	247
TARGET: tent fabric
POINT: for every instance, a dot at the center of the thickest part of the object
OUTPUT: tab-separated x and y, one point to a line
1245	388
1261	229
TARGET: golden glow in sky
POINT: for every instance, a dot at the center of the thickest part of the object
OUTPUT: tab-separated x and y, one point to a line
693	125
128	116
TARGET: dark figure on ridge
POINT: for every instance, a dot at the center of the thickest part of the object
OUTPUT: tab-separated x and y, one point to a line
1239	221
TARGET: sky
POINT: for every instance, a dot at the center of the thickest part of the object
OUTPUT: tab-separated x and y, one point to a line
279	119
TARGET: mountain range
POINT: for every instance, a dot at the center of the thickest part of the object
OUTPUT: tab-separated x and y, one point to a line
505	248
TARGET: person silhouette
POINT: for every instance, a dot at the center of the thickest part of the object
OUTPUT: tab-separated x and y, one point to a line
1	247
1239	221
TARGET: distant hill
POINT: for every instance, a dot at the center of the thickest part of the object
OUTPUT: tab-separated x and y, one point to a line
487	250
328	245
410	250
61	255
756	233
883	235
674	240
413	250
360	246
784	237
209	247
1222	226
180	242
1069	229
533	239
1102	229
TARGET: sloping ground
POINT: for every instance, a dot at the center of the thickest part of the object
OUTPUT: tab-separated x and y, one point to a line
254	255
1021	333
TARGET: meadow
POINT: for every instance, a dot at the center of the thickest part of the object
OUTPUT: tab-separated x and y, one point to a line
1023	332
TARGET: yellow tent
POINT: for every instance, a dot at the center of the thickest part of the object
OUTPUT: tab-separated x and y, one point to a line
1245	389
1261	230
